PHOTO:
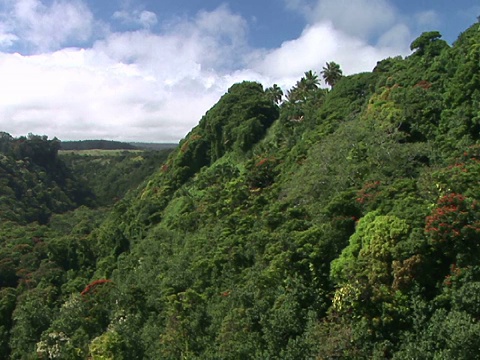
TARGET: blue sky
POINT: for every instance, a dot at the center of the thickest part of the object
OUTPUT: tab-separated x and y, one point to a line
148	70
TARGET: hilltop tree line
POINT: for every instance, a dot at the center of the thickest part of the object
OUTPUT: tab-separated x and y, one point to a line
339	223
307	84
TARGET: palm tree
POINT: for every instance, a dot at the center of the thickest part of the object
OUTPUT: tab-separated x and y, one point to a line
274	93
298	93
332	73
310	81
304	88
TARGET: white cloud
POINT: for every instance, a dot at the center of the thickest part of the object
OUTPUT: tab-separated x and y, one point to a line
376	22
145	19
359	18
74	92
131	86
397	38
147	86
318	44
221	33
45	27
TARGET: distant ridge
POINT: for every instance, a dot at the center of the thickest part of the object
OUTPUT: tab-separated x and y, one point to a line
153	146
112	145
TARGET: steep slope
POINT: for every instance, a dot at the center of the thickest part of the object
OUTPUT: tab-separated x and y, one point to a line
111	175
34	182
45	253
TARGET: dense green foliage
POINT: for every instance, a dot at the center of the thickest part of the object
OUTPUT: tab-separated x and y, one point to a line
46	254
340	224
34	183
95	144
110	175
113	145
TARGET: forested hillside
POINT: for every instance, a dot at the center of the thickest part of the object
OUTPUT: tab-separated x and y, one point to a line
34	182
335	224
110	174
49	204
113	145
96	144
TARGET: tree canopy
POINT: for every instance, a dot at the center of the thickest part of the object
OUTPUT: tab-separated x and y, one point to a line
331	73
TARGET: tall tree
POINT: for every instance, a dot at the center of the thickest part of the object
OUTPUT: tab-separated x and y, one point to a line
332	73
429	43
298	92
304	88
310	80
274	93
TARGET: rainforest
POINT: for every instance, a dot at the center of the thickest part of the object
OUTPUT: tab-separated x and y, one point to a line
339	223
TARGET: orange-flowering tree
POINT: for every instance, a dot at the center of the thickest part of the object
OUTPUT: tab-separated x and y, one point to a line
454	228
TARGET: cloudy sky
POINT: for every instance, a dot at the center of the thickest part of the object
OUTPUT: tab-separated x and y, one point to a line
147	70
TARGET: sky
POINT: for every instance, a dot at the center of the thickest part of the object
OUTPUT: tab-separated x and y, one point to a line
148	70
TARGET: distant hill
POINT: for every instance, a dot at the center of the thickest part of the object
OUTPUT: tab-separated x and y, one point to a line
96	144
113	145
